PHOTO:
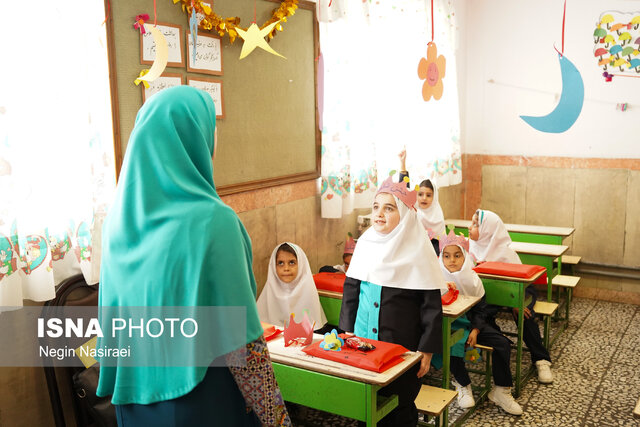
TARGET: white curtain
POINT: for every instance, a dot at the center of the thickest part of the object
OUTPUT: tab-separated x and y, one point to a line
373	105
56	147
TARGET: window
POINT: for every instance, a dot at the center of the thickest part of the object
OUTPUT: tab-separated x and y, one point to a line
56	145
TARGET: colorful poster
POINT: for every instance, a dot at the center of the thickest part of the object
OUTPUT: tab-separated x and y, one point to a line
616	39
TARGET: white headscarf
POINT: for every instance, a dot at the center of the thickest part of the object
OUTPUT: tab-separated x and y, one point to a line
493	240
279	299
466	280
404	258
432	217
340	268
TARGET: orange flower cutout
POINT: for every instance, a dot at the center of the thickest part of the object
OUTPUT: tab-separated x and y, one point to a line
431	70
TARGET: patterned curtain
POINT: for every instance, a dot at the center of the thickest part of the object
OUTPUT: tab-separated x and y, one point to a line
56	148
372	98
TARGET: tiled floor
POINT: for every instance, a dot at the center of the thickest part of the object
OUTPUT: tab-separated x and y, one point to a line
596	365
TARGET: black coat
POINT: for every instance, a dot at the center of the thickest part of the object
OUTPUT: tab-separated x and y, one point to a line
411	318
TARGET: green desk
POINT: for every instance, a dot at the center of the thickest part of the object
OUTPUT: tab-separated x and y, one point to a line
332	386
510	292
543	255
522	232
331	303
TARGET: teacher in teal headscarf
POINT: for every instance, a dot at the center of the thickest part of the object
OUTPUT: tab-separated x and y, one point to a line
169	240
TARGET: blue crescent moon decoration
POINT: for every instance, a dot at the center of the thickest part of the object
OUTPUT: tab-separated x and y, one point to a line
570	105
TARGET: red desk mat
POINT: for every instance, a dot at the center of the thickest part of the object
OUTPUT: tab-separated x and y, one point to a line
383	357
330	281
522	271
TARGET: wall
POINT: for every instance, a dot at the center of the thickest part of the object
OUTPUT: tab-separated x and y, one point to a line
512	69
291	213
587	177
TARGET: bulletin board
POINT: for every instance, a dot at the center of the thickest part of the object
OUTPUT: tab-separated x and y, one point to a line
269	133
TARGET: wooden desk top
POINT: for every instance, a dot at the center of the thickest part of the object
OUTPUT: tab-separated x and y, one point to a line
540	229
329	294
538	249
512	279
459	306
294	356
521	228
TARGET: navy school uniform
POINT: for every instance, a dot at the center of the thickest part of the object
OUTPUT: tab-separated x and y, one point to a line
411	318
530	331
482	318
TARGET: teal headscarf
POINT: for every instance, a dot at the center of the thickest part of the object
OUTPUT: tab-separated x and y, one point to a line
169	240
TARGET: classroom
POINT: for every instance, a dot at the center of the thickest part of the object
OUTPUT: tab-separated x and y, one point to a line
320	213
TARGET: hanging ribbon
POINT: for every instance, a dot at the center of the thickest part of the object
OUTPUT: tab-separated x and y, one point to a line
564	14
140	20
431	21
254	12
108	10
144	82
155	14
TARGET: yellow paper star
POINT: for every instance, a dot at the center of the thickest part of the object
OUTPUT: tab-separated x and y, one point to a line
254	37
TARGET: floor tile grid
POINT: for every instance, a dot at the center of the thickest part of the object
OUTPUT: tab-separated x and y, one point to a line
491	414
619	387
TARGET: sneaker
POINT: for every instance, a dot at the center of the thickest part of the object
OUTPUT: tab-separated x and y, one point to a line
502	397
465	395
544	371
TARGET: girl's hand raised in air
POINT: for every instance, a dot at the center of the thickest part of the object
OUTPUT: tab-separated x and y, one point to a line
403	158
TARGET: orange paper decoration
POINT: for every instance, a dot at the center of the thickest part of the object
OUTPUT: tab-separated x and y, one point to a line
432	70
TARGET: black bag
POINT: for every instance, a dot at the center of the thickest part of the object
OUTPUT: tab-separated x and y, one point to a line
85	385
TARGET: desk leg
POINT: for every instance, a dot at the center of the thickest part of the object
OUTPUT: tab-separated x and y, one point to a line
446	362
569	295
372	405
446	352
520	340
378	408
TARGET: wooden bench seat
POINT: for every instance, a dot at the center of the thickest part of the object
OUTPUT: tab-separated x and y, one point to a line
571	259
545	308
483	347
565	281
434	400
